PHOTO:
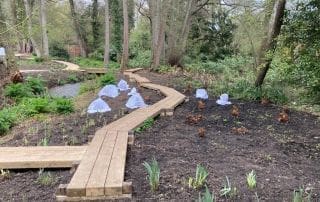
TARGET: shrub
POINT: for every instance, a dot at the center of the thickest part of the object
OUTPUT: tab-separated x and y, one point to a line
7	119
200	179
153	171
146	125
106	79
143	59
88	62
36	85
39	59
63	106
57	50
72	79
34	106
18	91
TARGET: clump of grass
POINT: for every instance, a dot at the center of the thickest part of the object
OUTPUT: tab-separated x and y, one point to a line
207	196
251	180
153	171
63	106
4	174
45	178
228	190
145	125
200	179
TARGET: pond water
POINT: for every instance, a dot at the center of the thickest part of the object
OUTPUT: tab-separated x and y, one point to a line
67	90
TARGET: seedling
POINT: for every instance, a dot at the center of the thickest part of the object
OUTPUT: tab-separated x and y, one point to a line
200	179
45	178
251	180
207	196
44	142
298	196
153	171
145	125
228	190
5	174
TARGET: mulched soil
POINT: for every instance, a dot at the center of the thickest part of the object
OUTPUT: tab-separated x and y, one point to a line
74	129
285	156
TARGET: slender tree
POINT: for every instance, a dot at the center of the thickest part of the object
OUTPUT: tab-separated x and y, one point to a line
30	31
269	44
125	46
95	23
80	34
44	31
106	34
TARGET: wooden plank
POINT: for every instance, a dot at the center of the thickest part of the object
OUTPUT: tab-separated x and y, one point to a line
115	177
133	70
40	157
95	185
78	183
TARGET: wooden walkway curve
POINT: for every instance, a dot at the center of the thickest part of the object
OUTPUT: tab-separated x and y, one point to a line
101	164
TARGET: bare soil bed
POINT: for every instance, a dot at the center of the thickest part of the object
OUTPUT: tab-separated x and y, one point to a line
285	156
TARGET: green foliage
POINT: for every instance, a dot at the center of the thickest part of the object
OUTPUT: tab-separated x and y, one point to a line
153	171
58	51
228	190
200	179
7	119
36	84
18	91
142	59
108	78
212	38
63	106
145	125
298	195
302	37
251	180
36	105
88	62
45	178
39	59
207	196
116	27
88	86
72	78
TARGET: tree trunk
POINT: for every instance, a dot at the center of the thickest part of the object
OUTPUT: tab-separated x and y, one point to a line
269	44
106	34
80	35
44	31
29	16
95	23
125	47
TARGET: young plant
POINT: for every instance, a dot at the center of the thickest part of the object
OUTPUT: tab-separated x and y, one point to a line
44	142
298	195
45	178
251	180
145	125
207	196
228	190
4	174
153	171
200	179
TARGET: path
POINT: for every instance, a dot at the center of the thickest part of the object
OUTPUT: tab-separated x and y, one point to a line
100	174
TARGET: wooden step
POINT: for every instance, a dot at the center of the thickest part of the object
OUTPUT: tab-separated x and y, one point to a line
40	157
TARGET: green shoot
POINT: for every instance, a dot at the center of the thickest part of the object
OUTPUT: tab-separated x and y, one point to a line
207	196
200	179
45	178
251	180
153	171
5	174
228	190
145	125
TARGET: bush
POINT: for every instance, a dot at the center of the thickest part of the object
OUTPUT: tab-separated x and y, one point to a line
36	85
142	59
32	106
39	59
7	119
63	106
18	91
56	50
89	62
72	79
106	79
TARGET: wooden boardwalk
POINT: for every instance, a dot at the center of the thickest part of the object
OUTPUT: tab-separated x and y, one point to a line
101	169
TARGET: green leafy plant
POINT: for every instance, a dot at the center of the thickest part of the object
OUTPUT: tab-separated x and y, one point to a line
38	59
44	142
207	196
36	85
106	79
228	190
45	178
63	106
200	179
7	119
251	180
18	91
72	79
153	171
145	125
36	105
